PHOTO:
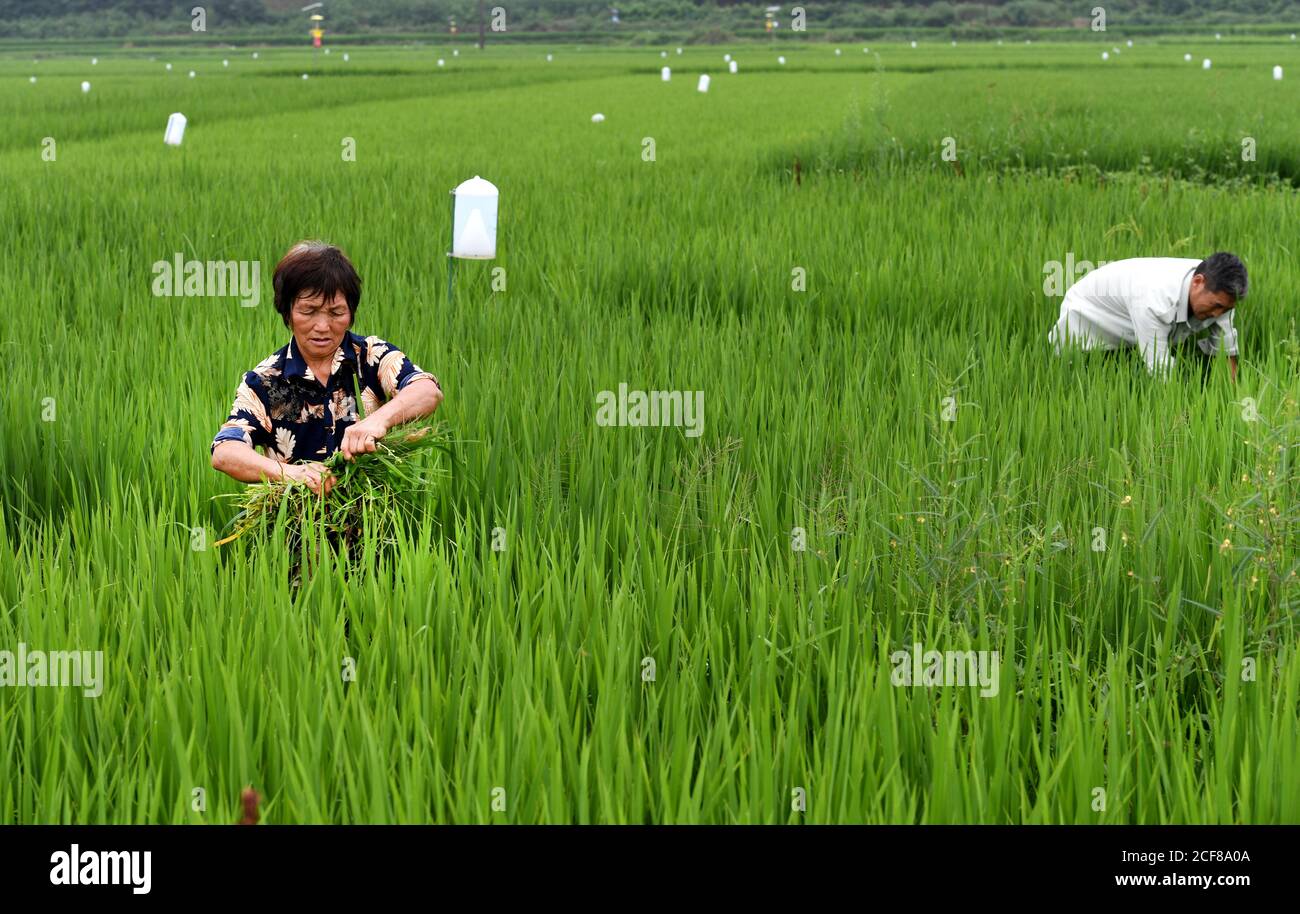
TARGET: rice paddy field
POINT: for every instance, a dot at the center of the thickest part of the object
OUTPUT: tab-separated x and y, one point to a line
589	623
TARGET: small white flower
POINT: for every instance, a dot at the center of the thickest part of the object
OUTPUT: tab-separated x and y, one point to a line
343	407
389	367
284	443
375	348
266	368
248	401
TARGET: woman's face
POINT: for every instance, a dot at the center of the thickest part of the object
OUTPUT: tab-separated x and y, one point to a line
318	326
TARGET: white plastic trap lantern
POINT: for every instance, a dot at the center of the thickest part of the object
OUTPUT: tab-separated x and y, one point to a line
1130	42
169	66
913	44
1187	57
726	58
663	53
703	85
345	58
94	61
679	50
781	60
732	66
597	118
191	74
666	74
837	52
441	62
473	225
474	219
255	55
1205	64
1105	55
85	87
1277	72
225	63
32	79
549	58
175	132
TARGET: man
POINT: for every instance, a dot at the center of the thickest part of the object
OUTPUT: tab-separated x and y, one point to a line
1155	304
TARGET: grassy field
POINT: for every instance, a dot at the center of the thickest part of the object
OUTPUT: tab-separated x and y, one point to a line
866	320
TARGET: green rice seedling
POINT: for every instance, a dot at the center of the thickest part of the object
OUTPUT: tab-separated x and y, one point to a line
890	455
372	494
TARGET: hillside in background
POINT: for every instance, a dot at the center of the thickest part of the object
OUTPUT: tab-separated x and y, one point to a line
637	20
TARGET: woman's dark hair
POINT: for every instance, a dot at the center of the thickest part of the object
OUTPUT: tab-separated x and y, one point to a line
1224	272
314	267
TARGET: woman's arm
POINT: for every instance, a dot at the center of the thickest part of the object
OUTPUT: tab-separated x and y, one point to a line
414	401
240	462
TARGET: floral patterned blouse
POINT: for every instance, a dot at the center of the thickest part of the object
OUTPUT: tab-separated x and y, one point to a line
283	409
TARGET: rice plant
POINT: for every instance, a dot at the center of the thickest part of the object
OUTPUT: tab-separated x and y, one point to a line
575	622
371	494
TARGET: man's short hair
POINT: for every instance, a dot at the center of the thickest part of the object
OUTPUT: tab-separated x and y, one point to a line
315	267
1224	272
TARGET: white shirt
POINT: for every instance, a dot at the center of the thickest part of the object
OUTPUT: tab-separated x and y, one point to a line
1139	302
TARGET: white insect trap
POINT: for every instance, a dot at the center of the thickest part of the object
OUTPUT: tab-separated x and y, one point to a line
175	132
474	220
473	226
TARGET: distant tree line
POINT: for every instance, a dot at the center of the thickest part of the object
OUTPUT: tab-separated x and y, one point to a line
637	19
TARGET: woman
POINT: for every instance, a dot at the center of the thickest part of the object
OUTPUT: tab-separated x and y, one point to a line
299	405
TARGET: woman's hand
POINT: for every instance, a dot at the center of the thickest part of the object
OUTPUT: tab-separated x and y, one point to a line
363	437
314	475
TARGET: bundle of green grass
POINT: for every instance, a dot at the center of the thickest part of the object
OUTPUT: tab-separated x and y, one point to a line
372	494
